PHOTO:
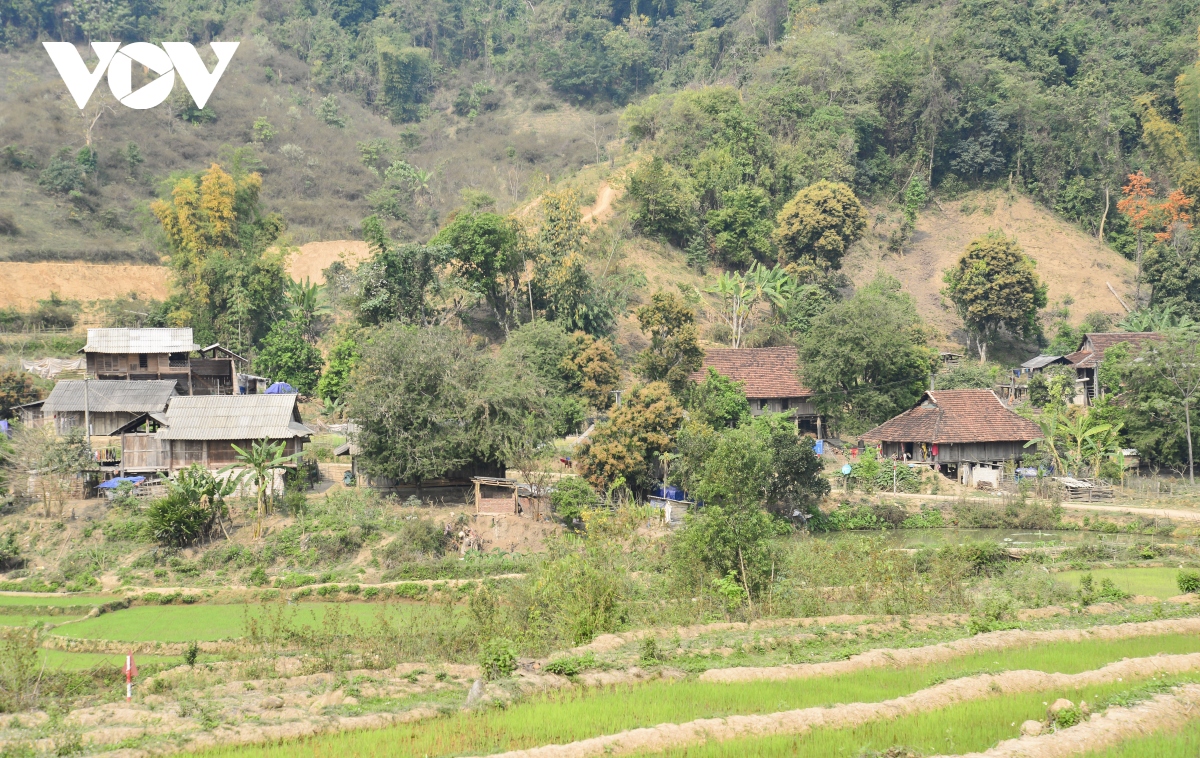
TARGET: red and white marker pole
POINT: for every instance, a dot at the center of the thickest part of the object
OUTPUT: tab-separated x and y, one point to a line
130	673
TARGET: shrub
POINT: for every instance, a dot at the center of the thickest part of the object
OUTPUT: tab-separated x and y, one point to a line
498	658
177	522
1188	581
572	665
571	496
191	653
20	671
258	576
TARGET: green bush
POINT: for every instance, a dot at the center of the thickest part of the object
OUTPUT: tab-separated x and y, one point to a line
571	496
572	665
174	521
258	576
498	658
1188	581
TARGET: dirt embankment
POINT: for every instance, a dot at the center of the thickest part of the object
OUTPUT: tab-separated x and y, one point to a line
667	736
945	651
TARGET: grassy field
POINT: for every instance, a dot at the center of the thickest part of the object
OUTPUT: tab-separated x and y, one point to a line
67	601
961	728
203	623
574	714
1184	743
25	619
57	659
1155	582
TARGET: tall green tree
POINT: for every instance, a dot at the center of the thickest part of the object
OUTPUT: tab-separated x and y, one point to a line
286	355
995	288
665	202
487	255
865	357
229	284
429	404
674	352
818	225
398	282
628	448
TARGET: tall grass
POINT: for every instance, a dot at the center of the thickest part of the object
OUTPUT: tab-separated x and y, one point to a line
575	714
961	728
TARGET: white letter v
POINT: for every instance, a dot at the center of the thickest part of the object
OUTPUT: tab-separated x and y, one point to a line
80	82
190	67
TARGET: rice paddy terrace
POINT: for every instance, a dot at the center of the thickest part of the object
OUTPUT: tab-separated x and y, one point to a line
230	674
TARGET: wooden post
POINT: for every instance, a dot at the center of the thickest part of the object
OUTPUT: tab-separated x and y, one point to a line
516	498
478	497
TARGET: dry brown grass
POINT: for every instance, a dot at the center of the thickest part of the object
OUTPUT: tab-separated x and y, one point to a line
23	284
1073	264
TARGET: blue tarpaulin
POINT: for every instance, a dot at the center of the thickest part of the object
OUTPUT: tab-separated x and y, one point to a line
112	484
819	447
5	429
281	388
669	493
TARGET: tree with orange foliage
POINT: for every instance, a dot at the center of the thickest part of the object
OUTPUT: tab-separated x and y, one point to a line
228	283
1138	207
1173	211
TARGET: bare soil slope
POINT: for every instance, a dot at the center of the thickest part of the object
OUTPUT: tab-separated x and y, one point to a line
312	259
23	284
1076	268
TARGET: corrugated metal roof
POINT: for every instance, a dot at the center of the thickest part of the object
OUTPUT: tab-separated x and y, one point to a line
110	396
1040	361
234	417
131	341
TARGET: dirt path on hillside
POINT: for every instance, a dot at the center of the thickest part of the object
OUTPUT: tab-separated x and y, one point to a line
1117	724
667	736
602	210
918	656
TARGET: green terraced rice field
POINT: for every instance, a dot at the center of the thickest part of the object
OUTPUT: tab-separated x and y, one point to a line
960	728
574	714
58	659
1184	743
83	601
203	623
1154	582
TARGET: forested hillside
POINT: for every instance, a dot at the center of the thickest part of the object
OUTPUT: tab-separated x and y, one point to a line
395	107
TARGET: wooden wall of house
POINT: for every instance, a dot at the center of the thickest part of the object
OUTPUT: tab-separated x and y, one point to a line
103	424
214	454
108	364
959	453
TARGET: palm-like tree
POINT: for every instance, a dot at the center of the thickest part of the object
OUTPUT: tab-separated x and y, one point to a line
307	304
261	461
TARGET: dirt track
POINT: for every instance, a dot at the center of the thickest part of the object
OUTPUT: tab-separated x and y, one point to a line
666	736
948	650
1115	725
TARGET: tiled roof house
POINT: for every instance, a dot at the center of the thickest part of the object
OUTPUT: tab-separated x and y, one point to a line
1090	355
771	380
966	432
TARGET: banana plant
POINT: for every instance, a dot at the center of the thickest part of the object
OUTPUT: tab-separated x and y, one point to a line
1049	441
261	461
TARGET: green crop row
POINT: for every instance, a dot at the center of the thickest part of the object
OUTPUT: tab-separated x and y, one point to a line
967	727
579	713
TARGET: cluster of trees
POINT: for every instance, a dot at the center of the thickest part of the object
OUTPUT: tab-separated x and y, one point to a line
851	91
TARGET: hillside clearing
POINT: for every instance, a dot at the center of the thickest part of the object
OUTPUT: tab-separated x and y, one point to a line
1075	268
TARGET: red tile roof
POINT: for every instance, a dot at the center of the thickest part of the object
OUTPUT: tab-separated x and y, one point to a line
767	372
956	416
1098	342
